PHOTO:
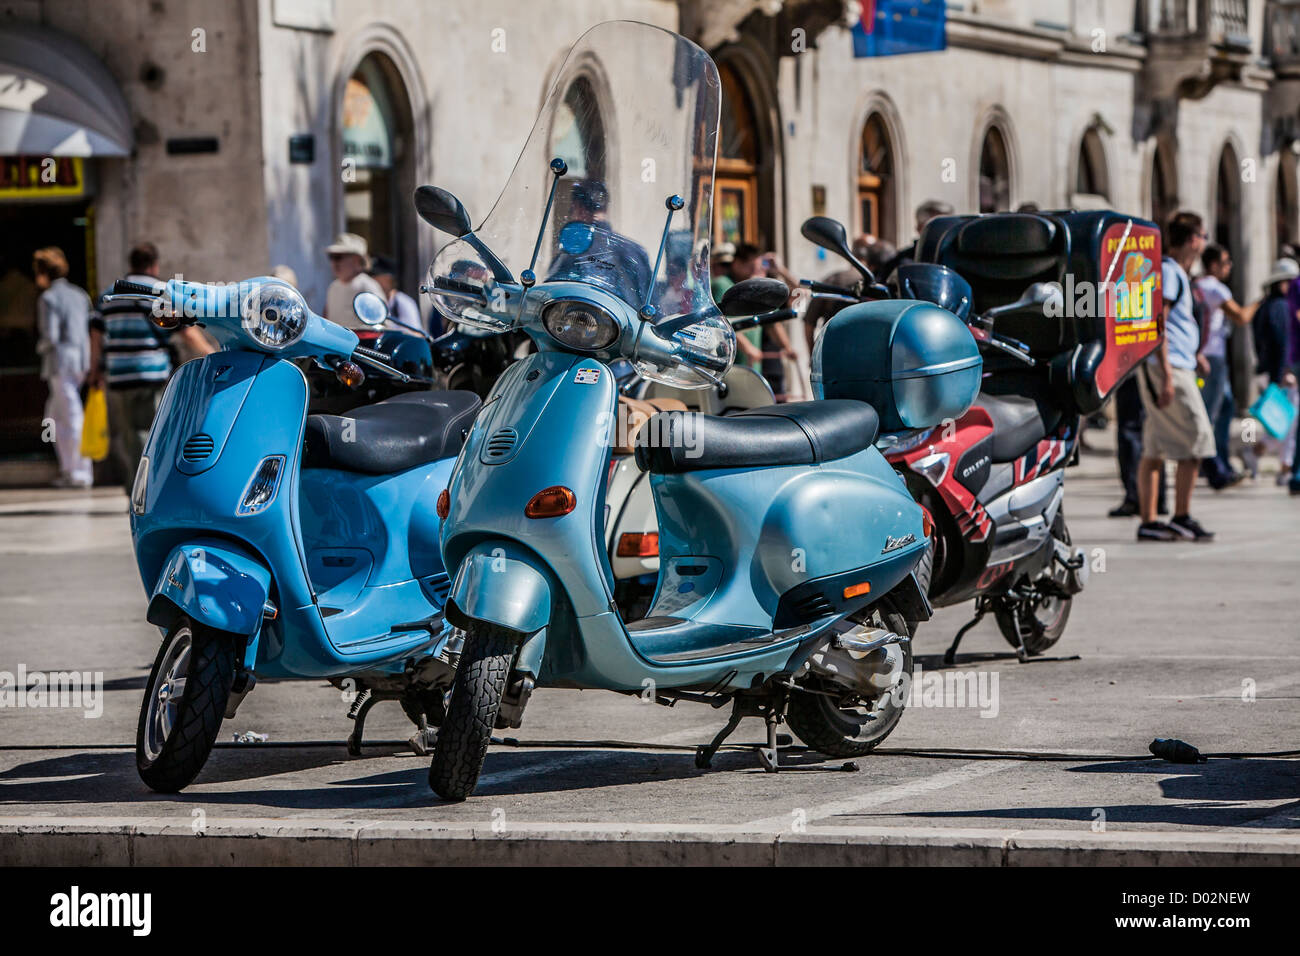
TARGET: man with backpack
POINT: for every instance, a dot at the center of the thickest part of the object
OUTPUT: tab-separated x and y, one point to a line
1177	425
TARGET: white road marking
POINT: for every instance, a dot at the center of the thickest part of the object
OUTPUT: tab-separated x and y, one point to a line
901	791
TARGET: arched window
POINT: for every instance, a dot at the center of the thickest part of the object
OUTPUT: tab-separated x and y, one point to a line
876	207
378	172
1286	207
1227	212
735	186
1092	178
1164	183
578	137
995	172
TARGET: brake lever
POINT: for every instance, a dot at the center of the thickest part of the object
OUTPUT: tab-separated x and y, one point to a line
361	353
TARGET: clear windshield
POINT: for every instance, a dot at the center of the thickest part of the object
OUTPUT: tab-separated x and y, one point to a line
633	115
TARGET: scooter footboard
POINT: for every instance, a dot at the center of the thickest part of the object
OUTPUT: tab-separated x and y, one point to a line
213	582
501	583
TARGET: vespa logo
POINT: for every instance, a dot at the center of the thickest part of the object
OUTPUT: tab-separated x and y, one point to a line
971	469
893	544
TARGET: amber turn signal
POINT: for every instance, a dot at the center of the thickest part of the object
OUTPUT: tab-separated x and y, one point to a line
551	503
349	374
444	503
853	590
927	522
639	545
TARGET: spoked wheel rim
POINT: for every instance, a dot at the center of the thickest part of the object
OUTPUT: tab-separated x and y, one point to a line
166	693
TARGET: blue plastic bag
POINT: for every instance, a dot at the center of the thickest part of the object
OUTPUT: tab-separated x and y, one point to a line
1274	411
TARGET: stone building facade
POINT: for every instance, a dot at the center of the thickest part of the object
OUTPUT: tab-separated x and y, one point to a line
250	131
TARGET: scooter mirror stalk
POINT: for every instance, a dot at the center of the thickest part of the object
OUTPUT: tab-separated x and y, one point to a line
830	235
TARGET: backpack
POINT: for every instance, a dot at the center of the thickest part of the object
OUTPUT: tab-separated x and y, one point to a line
1199	312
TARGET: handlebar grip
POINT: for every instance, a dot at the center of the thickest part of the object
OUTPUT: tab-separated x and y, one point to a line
766	318
373	353
126	287
815	286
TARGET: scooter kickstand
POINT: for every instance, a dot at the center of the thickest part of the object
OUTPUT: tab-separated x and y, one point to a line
357	714
704	754
768	755
950	654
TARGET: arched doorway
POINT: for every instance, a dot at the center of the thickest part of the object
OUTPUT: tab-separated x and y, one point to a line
1227	213
736	183
1092	178
994	172
1164	183
877	189
578	137
378	161
1286	201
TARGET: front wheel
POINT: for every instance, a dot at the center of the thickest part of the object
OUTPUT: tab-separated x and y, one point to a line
840	722
183	706
476	693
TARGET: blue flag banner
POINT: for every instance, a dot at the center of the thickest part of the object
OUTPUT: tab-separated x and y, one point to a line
891	27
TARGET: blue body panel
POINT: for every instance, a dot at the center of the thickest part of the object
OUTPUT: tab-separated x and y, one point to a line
743	526
214	582
254	406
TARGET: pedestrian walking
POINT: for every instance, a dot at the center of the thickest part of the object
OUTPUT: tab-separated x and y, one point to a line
1272	320
1220	312
1177	426
349	259
1129	419
130	358
63	327
400	305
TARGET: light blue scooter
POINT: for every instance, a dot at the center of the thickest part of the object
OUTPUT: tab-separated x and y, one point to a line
787	542
277	544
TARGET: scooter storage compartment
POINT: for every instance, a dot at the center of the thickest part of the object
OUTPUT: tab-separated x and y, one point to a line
915	363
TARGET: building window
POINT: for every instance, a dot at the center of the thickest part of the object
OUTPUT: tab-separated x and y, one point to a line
735	186
578	137
1285	203
995	172
1164	184
1227	214
376	130
876	208
1091	178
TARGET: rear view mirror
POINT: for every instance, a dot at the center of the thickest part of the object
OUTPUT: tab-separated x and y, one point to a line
754	297
370	308
830	235
442	210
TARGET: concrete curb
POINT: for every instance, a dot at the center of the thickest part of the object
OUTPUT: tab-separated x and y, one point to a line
166	841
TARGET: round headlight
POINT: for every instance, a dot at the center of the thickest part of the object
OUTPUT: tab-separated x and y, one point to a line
275	315
580	325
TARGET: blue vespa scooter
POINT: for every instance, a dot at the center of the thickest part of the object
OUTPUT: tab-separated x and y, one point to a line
787	543
277	544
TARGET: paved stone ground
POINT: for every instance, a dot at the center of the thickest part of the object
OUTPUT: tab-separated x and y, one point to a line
1165	640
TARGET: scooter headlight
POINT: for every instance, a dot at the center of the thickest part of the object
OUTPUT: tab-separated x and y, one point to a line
275	315
580	325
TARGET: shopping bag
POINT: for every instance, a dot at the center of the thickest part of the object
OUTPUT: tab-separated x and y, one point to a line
94	426
1274	411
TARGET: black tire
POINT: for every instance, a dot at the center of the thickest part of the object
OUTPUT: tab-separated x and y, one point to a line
1043	618
169	754
820	722
476	693
925	568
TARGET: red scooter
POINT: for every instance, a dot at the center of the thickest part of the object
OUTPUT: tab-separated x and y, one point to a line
993	480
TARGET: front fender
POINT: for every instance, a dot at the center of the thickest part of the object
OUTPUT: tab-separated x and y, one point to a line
501	583
213	582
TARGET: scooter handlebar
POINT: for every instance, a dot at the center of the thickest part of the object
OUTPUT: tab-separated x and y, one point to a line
127	287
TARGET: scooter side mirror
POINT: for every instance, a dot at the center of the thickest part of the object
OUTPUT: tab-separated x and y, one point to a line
1040	293
830	235
442	210
370	308
754	297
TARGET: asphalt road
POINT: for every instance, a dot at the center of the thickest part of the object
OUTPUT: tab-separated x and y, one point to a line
1196	642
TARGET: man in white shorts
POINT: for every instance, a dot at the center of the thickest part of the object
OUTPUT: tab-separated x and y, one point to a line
1177	425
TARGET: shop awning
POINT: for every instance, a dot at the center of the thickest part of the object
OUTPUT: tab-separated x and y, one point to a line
57	99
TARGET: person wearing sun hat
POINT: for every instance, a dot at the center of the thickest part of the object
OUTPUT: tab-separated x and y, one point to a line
349	259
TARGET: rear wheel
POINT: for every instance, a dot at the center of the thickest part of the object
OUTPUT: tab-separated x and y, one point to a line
471	714
1039	620
183	706
840	722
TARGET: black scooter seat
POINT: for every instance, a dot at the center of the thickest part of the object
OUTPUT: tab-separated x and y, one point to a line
1019	423
797	433
407	430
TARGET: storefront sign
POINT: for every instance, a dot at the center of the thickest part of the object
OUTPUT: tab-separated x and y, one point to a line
41	177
